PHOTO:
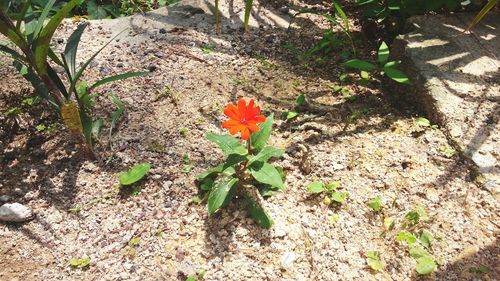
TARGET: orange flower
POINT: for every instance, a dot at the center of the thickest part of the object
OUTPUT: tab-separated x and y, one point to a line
243	119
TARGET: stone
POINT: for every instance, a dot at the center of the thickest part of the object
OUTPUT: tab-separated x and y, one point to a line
287	259
15	212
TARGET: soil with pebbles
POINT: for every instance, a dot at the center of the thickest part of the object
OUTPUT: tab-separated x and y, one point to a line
156	231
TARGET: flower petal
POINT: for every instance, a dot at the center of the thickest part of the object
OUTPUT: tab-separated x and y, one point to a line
242	107
245	133
232	112
252	126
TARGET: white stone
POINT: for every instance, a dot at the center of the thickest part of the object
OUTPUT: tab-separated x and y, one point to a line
15	212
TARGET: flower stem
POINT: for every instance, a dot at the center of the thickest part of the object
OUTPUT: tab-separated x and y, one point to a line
249	145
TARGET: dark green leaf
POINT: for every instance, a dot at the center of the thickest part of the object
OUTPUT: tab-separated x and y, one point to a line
258	213
227	143
360	64
43	16
266	153
396	75
260	138
71	48
383	53
376	204
96	11
266	173
207	184
115	115
215	170
300	100
221	194
134	174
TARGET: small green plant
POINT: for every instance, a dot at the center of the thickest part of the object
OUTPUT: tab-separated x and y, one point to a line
447	151
300	101
80	263
373	260
480	270
383	65
330	190
75	209
376	204
184	132
245	166
134	174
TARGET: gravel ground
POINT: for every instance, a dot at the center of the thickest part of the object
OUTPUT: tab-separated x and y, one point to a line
160	234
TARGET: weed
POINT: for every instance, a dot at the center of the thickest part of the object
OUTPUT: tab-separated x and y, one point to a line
373	260
330	189
134	174
79	262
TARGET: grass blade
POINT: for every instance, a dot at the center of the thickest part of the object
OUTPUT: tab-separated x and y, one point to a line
117	77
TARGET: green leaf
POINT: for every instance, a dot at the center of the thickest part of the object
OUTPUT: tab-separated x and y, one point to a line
333	185
373	260
134	174
80	263
266	173
221	194
115	115
365	75
424	122
43	41
227	143
418	252
215	170
266	153
383	53
360	64
117	77
248	8
316	187
191	278
258	213
43	16
300	100
405	236
69	55
426	239
260	138
376	204
96	11
292	114
396	75
425	265
207	184
339	197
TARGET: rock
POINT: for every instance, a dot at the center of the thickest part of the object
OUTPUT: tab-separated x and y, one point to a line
287	259
5	198
15	212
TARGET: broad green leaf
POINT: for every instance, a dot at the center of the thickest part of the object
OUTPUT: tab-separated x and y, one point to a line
134	174
69	55
333	185
376	204
266	173
373	260
215	170
117	77
365	75
339	197
300	100
393	63
266	190
84	262
425	265
383	53
266	153
360	64
221	194
207	184
316	187
418	252
426	239
227	143
405	236
42	42
423	122
292	114
258	213
396	75
260	138
96	11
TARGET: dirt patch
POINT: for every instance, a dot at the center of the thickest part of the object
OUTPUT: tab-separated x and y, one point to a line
160	234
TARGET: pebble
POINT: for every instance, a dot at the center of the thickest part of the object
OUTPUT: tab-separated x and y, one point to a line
5	198
287	259
15	212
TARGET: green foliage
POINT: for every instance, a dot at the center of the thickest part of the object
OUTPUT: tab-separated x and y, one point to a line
243	168
32	35
447	151
80	263
384	66
424	122
331	195
134	174
373	260
376	204
300	101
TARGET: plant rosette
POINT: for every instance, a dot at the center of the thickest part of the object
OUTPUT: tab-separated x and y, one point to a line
246	172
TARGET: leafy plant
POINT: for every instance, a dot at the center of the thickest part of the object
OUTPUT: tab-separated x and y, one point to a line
80	263
300	101
383	65
134	174
330	190
447	151
245	166
373	260
34	58
376	204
